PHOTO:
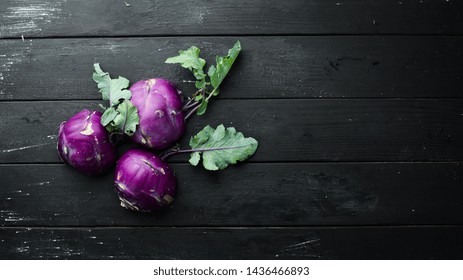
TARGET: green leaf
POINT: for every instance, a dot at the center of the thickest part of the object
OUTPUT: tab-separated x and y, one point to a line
126	119
111	89
190	59
211	71
118	90
200	84
103	80
223	64
220	147
194	159
202	108
108	116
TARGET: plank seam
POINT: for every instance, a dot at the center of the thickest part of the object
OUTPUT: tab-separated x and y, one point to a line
258	98
457	162
196	35
314	227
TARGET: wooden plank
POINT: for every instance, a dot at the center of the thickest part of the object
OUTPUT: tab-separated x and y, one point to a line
180	17
232	243
248	195
294	67
287	130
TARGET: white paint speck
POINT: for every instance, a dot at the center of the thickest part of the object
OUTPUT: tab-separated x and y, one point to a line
25	17
201	16
7	61
304	243
12	216
13	219
24	148
22	249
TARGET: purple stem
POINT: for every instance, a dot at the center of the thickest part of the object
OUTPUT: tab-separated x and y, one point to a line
192	100
196	104
174	152
189	105
192	112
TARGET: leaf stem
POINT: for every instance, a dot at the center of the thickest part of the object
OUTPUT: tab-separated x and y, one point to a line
175	152
211	94
189	105
125	119
197	107
192	112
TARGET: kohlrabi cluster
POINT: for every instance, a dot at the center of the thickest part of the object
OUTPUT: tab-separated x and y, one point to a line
153	114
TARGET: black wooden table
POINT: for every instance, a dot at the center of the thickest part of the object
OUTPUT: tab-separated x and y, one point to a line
356	105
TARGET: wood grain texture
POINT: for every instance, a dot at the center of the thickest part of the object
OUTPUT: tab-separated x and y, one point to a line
287	130
232	243
293	67
361	136
181	17
246	195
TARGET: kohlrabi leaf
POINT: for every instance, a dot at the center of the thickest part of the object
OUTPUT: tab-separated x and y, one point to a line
220	147
127	118
202	107
119	90
217	73
190	59
108	116
122	115
103	80
113	90
200	84
195	158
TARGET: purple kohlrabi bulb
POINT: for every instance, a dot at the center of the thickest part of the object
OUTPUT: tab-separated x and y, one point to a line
159	106
84	143
143	181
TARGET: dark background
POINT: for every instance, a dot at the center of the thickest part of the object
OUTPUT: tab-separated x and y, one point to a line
356	106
